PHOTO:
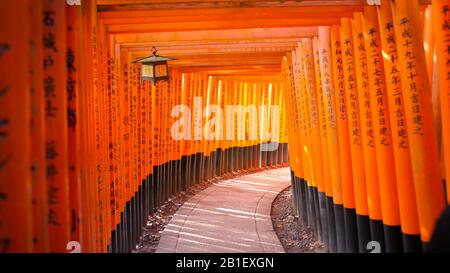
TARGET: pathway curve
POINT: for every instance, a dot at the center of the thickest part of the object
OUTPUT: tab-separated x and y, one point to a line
229	216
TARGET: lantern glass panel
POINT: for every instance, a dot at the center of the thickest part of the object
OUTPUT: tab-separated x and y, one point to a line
147	71
161	70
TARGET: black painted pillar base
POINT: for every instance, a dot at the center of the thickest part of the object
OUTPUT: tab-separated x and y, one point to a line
340	228
323	217
412	243
351	231
377	233
393	237
332	244
363	225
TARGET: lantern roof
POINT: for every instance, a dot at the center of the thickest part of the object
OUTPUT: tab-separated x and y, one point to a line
155	58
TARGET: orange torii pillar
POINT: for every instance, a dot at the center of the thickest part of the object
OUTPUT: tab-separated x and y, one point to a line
333	183
39	183
295	124
322	118
346	196
54	25
16	231
72	89
356	132
418	111
307	158
400	145
315	148
441	16
383	132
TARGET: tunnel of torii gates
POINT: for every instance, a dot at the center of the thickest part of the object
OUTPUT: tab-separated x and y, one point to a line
87	148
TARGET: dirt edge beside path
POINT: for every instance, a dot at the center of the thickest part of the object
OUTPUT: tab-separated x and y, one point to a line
294	237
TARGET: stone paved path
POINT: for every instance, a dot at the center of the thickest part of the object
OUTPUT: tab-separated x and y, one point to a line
229	216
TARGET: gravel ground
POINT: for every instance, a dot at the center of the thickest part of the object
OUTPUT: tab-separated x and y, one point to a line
294	237
157	221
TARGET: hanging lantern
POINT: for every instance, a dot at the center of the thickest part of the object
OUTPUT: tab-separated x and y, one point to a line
154	68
